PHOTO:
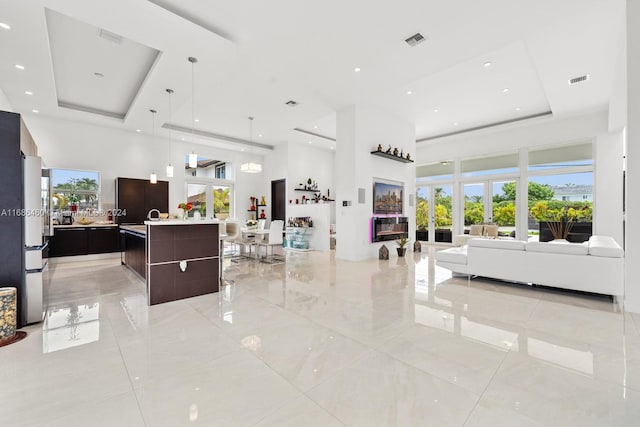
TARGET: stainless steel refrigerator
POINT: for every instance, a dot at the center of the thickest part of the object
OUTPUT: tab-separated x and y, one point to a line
34	246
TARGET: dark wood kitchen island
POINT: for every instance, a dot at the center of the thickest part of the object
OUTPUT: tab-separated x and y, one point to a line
181	258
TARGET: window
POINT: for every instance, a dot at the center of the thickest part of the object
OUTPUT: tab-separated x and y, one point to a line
220	171
73	190
561	188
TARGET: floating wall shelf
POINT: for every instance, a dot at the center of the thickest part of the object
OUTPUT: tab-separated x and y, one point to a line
391	156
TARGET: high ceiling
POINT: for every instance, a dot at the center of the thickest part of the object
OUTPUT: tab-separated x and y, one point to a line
254	56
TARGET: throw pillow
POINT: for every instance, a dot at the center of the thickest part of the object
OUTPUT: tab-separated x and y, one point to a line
476	230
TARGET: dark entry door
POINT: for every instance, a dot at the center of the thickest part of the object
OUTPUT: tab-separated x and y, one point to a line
278	196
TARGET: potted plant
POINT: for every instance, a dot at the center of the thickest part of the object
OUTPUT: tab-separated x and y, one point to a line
73	199
251	224
402	246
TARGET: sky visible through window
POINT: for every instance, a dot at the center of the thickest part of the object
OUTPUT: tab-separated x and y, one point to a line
62	176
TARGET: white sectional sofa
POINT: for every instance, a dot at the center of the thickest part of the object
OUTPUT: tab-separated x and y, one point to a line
594	266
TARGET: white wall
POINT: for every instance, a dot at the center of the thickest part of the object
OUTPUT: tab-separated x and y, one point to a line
607	215
5	105
118	153
359	131
632	197
510	138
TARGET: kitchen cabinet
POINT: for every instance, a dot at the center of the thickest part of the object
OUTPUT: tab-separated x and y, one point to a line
69	242
83	241
136	197
134	255
102	240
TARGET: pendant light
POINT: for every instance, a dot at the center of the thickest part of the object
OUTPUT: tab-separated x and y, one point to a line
169	169
193	157
250	166
153	178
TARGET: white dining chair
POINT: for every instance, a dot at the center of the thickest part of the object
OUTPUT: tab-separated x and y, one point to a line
274	238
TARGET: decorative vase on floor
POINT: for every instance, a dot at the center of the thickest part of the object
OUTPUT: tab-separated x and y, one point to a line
7	314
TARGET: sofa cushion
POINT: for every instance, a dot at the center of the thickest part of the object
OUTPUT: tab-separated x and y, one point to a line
456	255
491	230
605	246
476	230
516	245
558	248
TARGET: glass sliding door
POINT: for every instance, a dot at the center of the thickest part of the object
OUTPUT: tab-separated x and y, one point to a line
503	206
474	204
434	221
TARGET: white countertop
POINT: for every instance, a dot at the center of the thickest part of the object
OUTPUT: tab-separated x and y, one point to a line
183	222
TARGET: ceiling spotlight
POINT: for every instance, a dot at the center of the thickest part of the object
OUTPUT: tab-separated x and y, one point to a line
357	69
455	123
310	142
315	126
436	110
5	26
445	163
409	92
98	75
20	67
27	92
197	120
138	130
505	90
35	111
517	108
487	64
259	135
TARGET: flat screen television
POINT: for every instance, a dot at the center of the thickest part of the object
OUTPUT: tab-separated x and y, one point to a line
387	198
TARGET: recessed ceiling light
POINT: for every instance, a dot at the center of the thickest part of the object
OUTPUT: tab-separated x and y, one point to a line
138	130
20	67
259	135
196	120
357	69
315	126
517	108
409	92
35	111
505	90
28	92
310	142
244	149
445	163
436	110
5	26
98	75
182	139
487	64
455	123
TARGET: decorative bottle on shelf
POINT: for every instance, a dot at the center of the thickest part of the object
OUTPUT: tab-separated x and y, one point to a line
253	203
262	215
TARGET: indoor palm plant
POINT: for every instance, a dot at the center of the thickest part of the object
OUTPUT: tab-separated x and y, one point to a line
402	245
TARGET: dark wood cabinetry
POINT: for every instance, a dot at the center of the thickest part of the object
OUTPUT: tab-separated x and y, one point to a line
134	255
136	197
102	240
83	241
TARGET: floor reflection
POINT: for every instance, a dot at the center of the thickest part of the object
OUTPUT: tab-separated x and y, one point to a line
70	326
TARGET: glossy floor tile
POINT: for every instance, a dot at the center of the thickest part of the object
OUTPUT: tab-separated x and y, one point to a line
322	342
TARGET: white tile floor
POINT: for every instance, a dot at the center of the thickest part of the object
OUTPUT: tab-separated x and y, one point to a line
319	342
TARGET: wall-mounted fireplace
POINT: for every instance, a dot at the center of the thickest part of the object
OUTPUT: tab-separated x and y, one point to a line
389	228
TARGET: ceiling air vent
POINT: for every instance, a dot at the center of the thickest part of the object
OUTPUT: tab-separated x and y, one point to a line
291	103
108	35
415	39
579	79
